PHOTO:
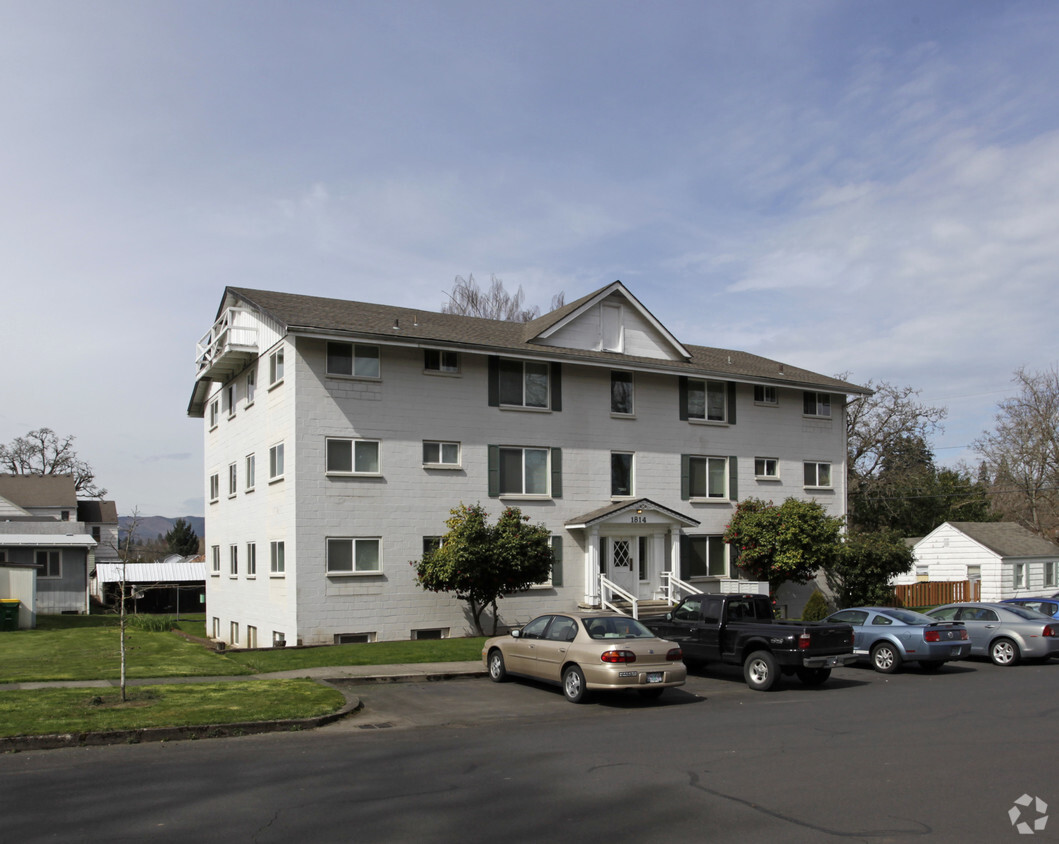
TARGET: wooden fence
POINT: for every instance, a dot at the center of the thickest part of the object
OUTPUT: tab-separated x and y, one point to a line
932	593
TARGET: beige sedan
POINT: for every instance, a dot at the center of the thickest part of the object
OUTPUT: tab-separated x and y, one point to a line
585	652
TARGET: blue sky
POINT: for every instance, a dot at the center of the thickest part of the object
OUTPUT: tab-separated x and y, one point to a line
859	187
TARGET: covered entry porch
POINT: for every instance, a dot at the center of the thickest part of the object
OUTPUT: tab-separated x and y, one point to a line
632	556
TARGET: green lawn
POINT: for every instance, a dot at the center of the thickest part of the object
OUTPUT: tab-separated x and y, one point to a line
48	711
93	653
376	653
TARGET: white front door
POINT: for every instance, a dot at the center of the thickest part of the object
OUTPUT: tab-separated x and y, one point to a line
623	563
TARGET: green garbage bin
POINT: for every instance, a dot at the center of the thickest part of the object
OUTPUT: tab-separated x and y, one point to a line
9	613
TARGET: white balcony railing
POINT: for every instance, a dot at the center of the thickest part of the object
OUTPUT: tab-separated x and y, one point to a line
234	332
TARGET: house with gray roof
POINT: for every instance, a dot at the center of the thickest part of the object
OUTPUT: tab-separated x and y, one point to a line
1006	559
49	543
338	435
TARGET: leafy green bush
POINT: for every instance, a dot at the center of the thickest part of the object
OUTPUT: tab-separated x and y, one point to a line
150	623
816	608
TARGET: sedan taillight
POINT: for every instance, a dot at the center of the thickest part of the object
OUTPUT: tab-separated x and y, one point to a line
674	655
1048	631
618	656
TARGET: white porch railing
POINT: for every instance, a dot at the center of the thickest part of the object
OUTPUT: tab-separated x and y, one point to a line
608	589
675	588
234	329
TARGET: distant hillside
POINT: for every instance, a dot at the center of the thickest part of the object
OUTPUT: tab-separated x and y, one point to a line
150	528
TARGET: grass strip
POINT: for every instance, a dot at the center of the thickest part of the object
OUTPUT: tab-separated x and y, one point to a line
48	711
375	653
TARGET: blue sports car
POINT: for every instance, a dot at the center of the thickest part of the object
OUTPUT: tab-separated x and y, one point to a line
887	637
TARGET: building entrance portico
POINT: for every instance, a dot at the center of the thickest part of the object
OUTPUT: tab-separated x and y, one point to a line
628	547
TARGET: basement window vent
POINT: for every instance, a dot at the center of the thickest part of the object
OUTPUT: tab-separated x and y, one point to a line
354	638
435	633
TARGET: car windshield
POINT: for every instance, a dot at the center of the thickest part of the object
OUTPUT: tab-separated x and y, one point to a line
616	627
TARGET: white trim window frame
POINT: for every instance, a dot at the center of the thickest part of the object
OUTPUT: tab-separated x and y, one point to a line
215	413
275	368
766	395
622	474
215	560
708	478
215	487
251	472
231	397
707	400
525	471
1049	574
352	456
353	360
1020	576
816	405
50	563
767	468
441	362
439	454
233	560
276	467
817	474
233	479
622	393
251	386
525	384
277	558
251	559
354	555
707	556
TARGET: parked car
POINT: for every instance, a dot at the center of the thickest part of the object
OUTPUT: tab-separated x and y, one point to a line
1045	606
1005	633
585	652
888	637
740	630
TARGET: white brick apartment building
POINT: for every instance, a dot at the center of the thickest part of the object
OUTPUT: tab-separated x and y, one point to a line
339	435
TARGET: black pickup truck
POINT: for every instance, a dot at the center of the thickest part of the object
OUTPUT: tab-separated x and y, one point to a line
740	630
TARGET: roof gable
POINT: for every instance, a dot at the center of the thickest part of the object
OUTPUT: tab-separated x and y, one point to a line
39	490
609	320
1007	539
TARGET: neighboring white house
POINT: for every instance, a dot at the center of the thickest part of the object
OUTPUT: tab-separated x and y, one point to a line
1007	559
339	435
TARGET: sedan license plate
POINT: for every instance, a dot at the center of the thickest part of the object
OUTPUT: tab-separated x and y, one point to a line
654	677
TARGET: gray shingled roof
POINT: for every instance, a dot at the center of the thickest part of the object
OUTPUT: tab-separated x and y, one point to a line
1008	539
39	490
339	317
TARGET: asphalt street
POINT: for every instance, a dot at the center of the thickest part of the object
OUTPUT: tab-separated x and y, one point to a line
867	757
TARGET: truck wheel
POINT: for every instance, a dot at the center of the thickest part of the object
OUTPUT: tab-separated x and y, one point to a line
814	676
760	671
884	658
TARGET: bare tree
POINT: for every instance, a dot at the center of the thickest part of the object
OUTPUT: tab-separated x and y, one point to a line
468	299
43	452
1021	455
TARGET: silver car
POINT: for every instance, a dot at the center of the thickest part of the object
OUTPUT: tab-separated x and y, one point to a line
887	637
1004	632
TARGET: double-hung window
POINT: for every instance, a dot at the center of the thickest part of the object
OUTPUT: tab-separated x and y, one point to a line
356	359
621	477
214	412
275	462
1049	574
352	456
621	393
251	386
215	487
251	559
817	474
233	478
1019	579
354	555
233	560
441	361
816	404
230	399
707	477
441	454
215	559
523	383
703	556
251	473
